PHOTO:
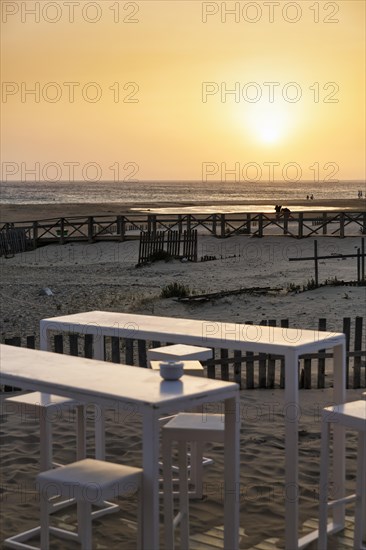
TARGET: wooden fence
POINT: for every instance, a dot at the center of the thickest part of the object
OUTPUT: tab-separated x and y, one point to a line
120	228
247	369
174	243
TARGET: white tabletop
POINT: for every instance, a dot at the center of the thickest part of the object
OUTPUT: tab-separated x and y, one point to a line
216	334
76	376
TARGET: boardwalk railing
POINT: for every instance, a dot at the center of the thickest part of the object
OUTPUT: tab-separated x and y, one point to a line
247	369
173	243
120	228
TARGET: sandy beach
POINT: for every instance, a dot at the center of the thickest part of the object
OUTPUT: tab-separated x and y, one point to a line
104	276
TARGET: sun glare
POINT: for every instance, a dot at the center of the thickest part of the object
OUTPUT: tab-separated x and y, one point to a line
267	123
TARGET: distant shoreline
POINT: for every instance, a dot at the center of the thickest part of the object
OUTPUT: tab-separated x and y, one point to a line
40	211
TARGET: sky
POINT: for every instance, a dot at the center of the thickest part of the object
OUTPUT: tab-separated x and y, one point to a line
183	90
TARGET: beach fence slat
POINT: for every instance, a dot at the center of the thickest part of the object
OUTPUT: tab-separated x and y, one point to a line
262	366
357	359
88	346
347	331
58	342
115	351
211	369
224	356
129	351
249	367
322	326
141	348
74	344
237	366
271	362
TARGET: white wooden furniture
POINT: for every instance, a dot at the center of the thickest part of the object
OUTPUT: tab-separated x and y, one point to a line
47	407
146	394
352	416
179	352
193	368
185	428
290	343
89	482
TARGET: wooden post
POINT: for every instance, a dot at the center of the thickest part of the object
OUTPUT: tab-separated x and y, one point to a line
62	229
325	226
223	224
364	223
121	227
285	223
262	366
116	354
90	229
180	224
363	259
211	369
341	225
357	358
35	234
301	225
141	347
224	355
271	363
249	367
249	223
214	224
316	263
129	351
358	265
59	343
260	225
347	332
237	367
189	222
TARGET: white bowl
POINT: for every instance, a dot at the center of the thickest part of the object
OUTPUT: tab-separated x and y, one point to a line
170	370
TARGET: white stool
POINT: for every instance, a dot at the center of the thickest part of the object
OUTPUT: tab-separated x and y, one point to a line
45	407
350	415
185	428
190	356
89	482
179	352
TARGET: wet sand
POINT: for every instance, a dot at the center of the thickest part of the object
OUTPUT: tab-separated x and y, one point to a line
36	212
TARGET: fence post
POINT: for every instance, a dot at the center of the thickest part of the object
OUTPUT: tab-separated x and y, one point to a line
357	358
223	225
237	367
341	225
321	360
35	234
262	366
90	229
224	356
316	263
271	362
325	226
129	351
301	225
347	331
141	347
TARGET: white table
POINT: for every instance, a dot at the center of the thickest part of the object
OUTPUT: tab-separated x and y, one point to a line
291	343
109	385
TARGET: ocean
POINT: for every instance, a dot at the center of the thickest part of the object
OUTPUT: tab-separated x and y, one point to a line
154	192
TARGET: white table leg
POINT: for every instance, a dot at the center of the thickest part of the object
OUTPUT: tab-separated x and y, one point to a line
291	450
231	475
150	486
99	424
339	467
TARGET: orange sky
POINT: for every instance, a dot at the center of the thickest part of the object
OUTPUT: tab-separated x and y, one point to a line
174	116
